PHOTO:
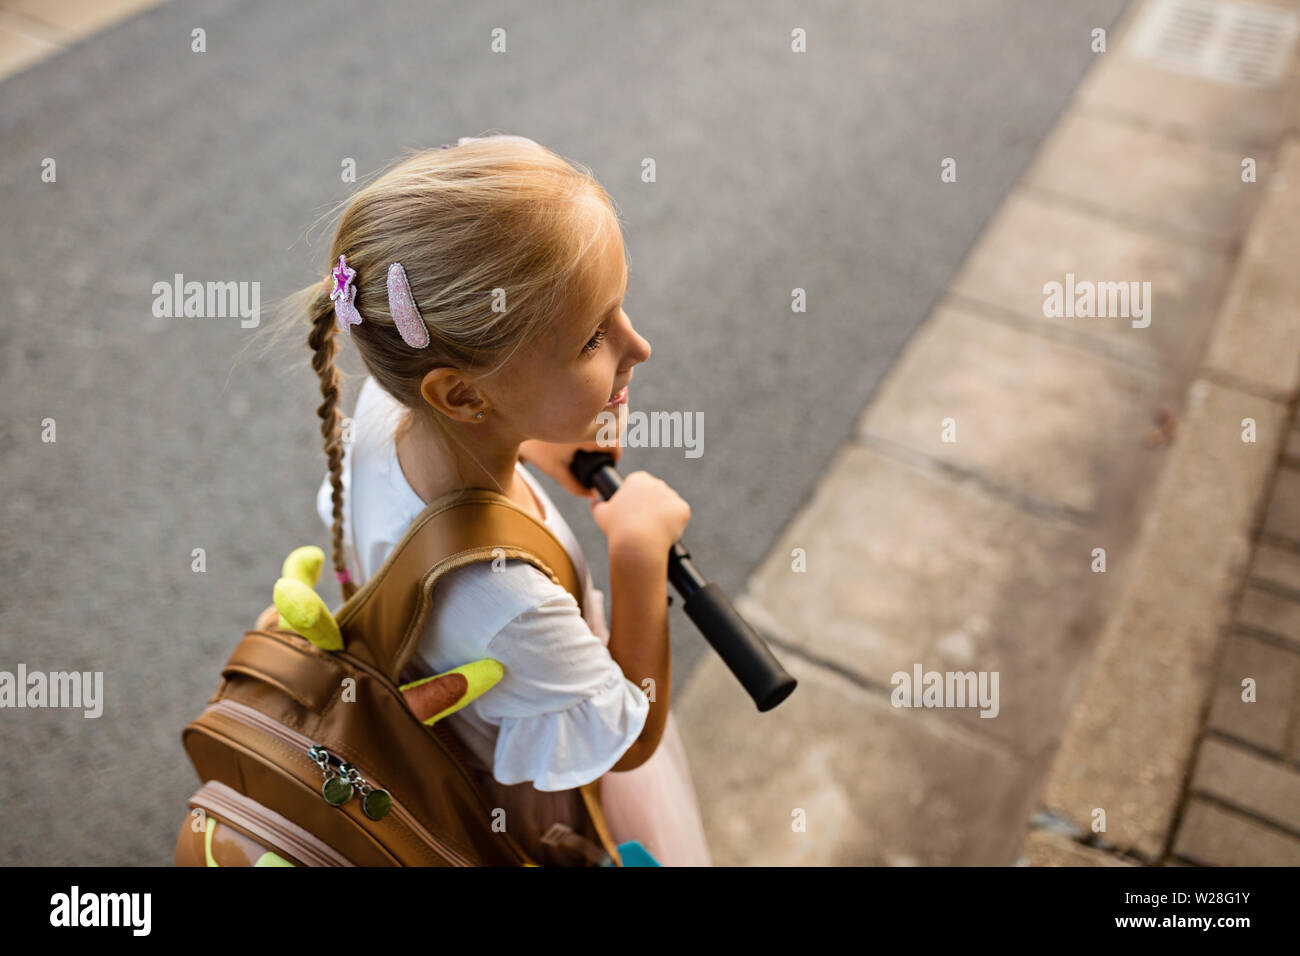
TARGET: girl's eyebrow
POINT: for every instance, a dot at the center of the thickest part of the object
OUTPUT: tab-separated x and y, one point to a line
627	278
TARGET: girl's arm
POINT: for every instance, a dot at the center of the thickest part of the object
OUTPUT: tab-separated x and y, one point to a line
641	522
638	635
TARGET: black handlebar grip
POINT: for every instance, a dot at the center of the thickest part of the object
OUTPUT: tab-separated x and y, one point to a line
586	466
739	646
743	651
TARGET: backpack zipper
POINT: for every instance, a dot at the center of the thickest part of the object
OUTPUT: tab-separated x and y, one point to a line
444	737
304	745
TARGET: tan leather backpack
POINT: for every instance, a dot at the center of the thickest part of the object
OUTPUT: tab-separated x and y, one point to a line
280	725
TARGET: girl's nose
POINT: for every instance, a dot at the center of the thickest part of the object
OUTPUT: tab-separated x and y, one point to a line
640	346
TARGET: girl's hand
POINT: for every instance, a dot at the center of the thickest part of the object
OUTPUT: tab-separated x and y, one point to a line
553	460
646	517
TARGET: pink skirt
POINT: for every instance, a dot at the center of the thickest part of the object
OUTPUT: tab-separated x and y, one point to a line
656	804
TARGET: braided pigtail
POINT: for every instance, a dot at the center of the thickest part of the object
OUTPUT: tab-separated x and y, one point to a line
324	345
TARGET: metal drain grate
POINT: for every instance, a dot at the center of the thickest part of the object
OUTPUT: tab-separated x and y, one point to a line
1228	42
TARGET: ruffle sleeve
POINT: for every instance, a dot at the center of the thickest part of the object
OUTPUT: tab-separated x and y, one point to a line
565	711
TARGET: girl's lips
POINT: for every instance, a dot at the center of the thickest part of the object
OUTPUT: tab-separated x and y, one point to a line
618	399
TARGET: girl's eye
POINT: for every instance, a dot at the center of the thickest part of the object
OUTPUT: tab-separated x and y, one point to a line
595	341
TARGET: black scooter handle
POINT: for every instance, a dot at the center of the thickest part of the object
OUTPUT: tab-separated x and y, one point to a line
739	646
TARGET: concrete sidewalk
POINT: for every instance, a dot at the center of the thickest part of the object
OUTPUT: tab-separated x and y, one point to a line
1065	502
33	30
1211	615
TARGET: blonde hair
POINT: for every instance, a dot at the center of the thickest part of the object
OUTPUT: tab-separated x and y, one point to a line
465	222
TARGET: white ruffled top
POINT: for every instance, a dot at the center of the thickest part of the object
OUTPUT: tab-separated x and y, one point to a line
563	713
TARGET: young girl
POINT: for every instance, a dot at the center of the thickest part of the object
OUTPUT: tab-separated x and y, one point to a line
501	337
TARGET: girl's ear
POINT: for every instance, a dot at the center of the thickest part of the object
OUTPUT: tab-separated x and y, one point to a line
447	390
437	386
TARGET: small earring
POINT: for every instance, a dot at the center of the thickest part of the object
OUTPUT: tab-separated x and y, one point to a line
478	417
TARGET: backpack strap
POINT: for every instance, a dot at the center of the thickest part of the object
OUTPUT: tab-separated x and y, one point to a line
382	623
591	797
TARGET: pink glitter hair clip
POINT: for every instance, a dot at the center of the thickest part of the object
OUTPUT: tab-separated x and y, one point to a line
406	316
344	295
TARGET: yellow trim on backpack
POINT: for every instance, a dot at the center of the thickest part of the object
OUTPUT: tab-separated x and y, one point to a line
271	859
207	842
266	859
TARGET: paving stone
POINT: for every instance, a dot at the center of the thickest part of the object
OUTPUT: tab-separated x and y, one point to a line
1044	848
1019	402
1035	240
865	775
1212	836
1293	445
1293	737
20	48
906	566
1130	171
1270	612
1257	339
1264	721
77	18
1225	114
1283	516
1134	727
1276	563
1267	788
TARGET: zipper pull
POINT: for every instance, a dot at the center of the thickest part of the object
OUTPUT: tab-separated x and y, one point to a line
336	790
375	802
341	785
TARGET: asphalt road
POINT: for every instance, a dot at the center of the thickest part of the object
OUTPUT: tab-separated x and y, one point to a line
775	170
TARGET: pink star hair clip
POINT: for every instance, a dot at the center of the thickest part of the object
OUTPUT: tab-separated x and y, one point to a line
344	294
